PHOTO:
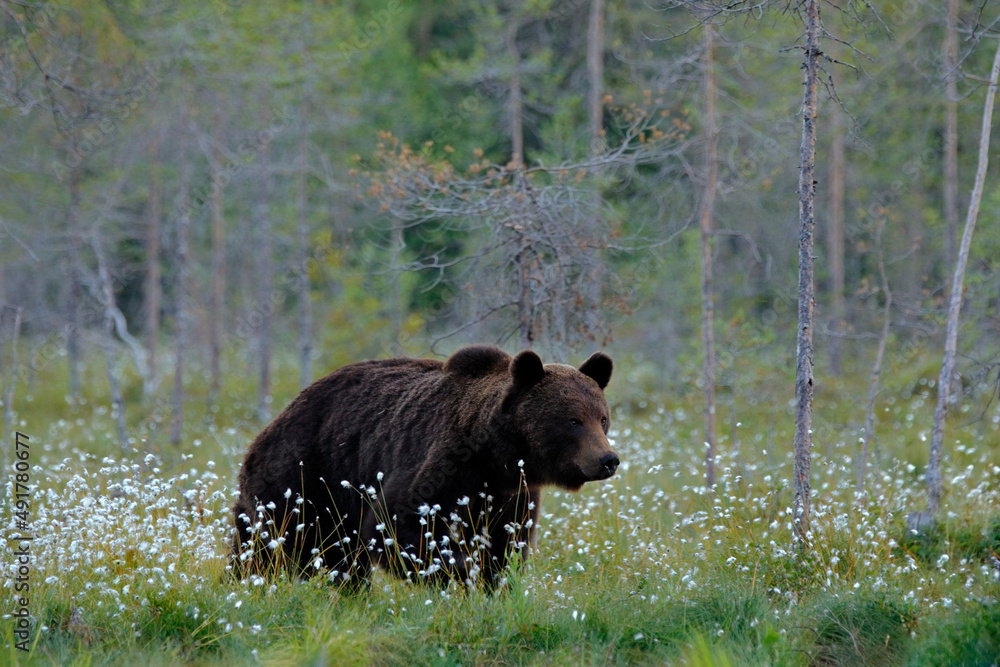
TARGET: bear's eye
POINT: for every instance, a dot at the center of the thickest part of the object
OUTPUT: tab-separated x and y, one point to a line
575	422
604	423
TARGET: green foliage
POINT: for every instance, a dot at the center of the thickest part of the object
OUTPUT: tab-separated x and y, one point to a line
862	630
970	637
965	539
645	569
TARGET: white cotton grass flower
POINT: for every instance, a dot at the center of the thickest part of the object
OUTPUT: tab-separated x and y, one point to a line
121	534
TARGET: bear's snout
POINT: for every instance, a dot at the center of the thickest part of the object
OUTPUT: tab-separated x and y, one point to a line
610	464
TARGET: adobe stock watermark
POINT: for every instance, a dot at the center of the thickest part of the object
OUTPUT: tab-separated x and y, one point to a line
107	125
19	570
241	159
369	33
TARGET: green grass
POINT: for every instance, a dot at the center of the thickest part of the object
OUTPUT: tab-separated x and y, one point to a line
646	568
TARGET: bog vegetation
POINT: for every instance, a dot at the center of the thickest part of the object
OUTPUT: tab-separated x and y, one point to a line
130	550
205	206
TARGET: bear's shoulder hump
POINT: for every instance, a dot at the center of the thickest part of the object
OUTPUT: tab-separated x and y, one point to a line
477	361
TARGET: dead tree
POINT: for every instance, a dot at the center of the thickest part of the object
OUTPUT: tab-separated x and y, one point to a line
802	443
933	473
535	234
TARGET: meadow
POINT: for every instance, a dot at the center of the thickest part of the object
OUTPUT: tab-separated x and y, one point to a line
129	552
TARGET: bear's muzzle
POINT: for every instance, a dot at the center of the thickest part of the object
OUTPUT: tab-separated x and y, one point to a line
609	463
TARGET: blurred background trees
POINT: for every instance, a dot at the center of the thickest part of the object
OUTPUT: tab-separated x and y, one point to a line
215	174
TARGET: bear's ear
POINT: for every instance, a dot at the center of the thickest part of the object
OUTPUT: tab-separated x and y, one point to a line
598	368
526	369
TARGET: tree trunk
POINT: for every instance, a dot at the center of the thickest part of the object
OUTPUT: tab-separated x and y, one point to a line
595	75
525	314
595	90
933	474
181	324
153	288
216	313
707	296
951	133
265	271
835	237
75	283
804	356
8	397
525	319
302	241
516	104
869	431
106	296
397	244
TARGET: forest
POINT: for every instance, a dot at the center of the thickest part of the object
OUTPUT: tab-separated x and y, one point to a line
777	216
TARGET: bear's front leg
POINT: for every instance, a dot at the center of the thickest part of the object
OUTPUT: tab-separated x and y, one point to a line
419	547
512	532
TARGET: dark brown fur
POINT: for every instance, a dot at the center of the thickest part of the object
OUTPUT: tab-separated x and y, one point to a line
438	432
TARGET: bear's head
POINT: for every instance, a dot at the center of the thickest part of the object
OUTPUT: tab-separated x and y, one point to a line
563	416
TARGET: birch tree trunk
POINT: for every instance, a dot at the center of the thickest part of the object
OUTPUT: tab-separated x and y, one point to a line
933	474
705	241
804	337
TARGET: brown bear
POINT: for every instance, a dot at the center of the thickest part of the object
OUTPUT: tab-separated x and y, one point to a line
430	469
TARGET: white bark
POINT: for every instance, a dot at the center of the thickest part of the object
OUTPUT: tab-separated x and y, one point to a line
933	473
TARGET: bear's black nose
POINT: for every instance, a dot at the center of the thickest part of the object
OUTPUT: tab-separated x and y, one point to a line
610	463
